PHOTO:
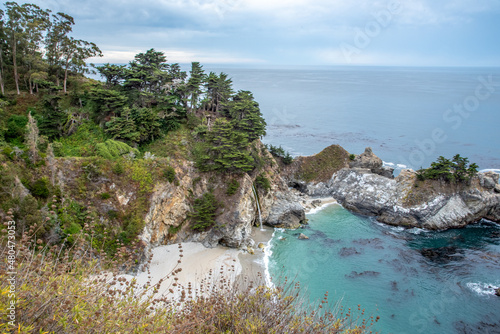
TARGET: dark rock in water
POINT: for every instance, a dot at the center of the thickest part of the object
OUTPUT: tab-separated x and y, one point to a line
375	242
481	327
329	241
394	286
442	254
348	251
497	292
368	273
302	236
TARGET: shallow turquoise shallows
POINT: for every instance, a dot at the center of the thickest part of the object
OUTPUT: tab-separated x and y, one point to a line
417	281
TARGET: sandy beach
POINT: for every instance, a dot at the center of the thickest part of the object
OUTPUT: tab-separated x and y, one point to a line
197	261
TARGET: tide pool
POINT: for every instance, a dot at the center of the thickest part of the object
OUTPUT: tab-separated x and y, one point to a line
417	281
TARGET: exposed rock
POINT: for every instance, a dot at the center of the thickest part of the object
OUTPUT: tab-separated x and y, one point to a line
19	189
261	245
302	236
385	171
166	221
488	180
367	159
285	212
250	250
364	192
497	292
368	188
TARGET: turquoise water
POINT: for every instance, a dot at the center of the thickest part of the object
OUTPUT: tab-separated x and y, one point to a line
417	281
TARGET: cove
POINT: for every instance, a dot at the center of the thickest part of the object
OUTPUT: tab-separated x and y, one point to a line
417	281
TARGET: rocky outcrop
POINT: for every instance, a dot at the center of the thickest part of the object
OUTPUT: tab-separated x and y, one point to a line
368	160
167	222
369	188
302	236
405	202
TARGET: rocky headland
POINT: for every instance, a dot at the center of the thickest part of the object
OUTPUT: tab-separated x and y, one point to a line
364	186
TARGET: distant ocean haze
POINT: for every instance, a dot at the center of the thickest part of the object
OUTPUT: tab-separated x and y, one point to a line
409	116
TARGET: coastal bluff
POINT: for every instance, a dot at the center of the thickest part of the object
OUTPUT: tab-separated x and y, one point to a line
167	220
364	186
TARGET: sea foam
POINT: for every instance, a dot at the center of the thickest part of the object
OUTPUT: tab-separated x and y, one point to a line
483	289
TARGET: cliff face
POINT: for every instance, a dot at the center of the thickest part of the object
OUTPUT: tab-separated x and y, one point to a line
369	188
167	222
404	201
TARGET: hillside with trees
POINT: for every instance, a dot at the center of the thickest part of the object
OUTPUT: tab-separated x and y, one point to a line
132	130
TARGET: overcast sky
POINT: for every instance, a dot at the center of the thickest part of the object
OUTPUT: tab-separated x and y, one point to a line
292	32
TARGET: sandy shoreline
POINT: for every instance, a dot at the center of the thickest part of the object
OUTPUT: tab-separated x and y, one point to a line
197	261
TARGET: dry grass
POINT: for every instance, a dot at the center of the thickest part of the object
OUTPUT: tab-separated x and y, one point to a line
64	290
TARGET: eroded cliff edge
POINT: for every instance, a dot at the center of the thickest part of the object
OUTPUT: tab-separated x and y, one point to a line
363	185
167	220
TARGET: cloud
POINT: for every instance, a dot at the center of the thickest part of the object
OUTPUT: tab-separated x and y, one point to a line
176	56
281	31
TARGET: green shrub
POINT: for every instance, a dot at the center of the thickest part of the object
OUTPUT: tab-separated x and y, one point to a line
57	147
456	170
71	231
83	142
112	214
112	149
169	173
352	156
40	188
263	182
204	211
8	152
118	168
16	128
105	196
140	173
232	187
281	153
287	159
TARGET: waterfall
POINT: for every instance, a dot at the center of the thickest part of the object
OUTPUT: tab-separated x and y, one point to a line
258	206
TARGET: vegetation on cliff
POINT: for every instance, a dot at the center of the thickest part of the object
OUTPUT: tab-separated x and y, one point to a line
77	297
456	170
79	160
146	114
320	167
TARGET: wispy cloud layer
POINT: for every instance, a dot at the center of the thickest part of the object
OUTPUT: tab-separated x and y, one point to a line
415	32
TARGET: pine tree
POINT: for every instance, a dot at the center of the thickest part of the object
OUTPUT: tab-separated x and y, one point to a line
196	79
245	114
123	127
228	149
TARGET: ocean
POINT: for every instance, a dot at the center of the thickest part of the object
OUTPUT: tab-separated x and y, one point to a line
409	116
417	281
